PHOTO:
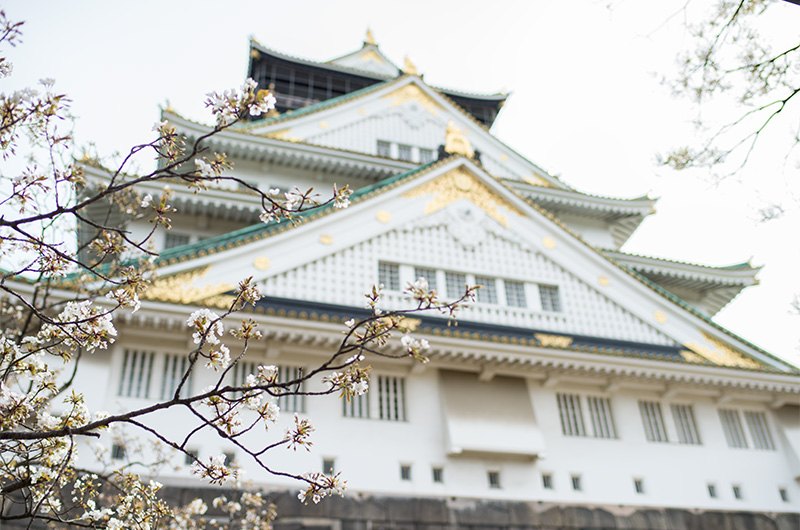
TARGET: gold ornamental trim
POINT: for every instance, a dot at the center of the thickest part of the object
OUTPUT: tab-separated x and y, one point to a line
178	288
553	341
459	184
721	353
412	92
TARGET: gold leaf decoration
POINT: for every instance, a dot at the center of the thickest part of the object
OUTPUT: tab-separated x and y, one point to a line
461	184
553	341
178	288
412	92
721	353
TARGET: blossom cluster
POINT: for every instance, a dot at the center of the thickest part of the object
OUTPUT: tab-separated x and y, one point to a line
232	104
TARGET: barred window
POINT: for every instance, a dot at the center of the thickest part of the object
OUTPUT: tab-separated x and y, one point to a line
569	409
737	492
172	240
292	402
240	372
328	466
428	274
515	294
455	283
576	483
494	479
404	152
547	481
391	398
389	276
136	369
732	425
759	432
488	292
405	472
551	301
438	475
638	485
425	156
602	419
118	452
384	149
685	424
357	407
712	490
654	428
175	367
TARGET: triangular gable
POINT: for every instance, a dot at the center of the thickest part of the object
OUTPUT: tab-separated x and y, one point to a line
409	202
368	59
404	110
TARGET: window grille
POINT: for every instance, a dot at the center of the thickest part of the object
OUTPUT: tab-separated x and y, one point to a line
759	432
488	292
569	408
230	458
784	494
118	452
357	407
455	283
712	491
438	475
494	479
551	301
515	294
425	156
602	419
576	483
653	421
737	492
685	424
136	369
404	152
190	457
732	425
175	240
175	367
389	276
405	472
428	274
292	402
391	398
328	466
547	481
638	485
384	149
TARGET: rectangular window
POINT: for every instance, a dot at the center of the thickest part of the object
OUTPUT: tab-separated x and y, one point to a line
357	407
404	152
784	494
384	149
653	420
425	156
494	479
405	472
190	457
456	284
118	452
438	475
547	481
515	294
389	276
759	432
292	402
488	292
551	301
428	274
685	424
712	491
638	485
230	458
172	240
328	466
602	419
737	492
576	483
175	367
732	425
136	369
391	398
569	409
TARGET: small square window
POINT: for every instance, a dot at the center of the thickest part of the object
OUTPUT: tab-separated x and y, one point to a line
576	483
456	284
712	491
405	472
389	276
494	479
438	475
118	452
428	274
172	240
737	492
328	466
384	149
425	156
784	494
404	152
547	481
638	485
190	457
515	294
551	300
488	291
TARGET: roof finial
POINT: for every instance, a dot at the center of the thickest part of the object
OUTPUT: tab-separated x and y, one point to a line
408	67
369	38
455	142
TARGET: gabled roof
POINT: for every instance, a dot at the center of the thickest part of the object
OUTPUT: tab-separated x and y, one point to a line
683	318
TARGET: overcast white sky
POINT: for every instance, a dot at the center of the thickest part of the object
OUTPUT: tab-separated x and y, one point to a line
587	104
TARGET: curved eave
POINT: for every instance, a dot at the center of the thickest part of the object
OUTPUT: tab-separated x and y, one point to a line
291	154
689	275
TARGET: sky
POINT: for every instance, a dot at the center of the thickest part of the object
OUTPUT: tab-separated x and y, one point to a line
587	102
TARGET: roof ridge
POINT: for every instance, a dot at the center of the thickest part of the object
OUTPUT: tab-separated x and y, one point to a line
737	266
